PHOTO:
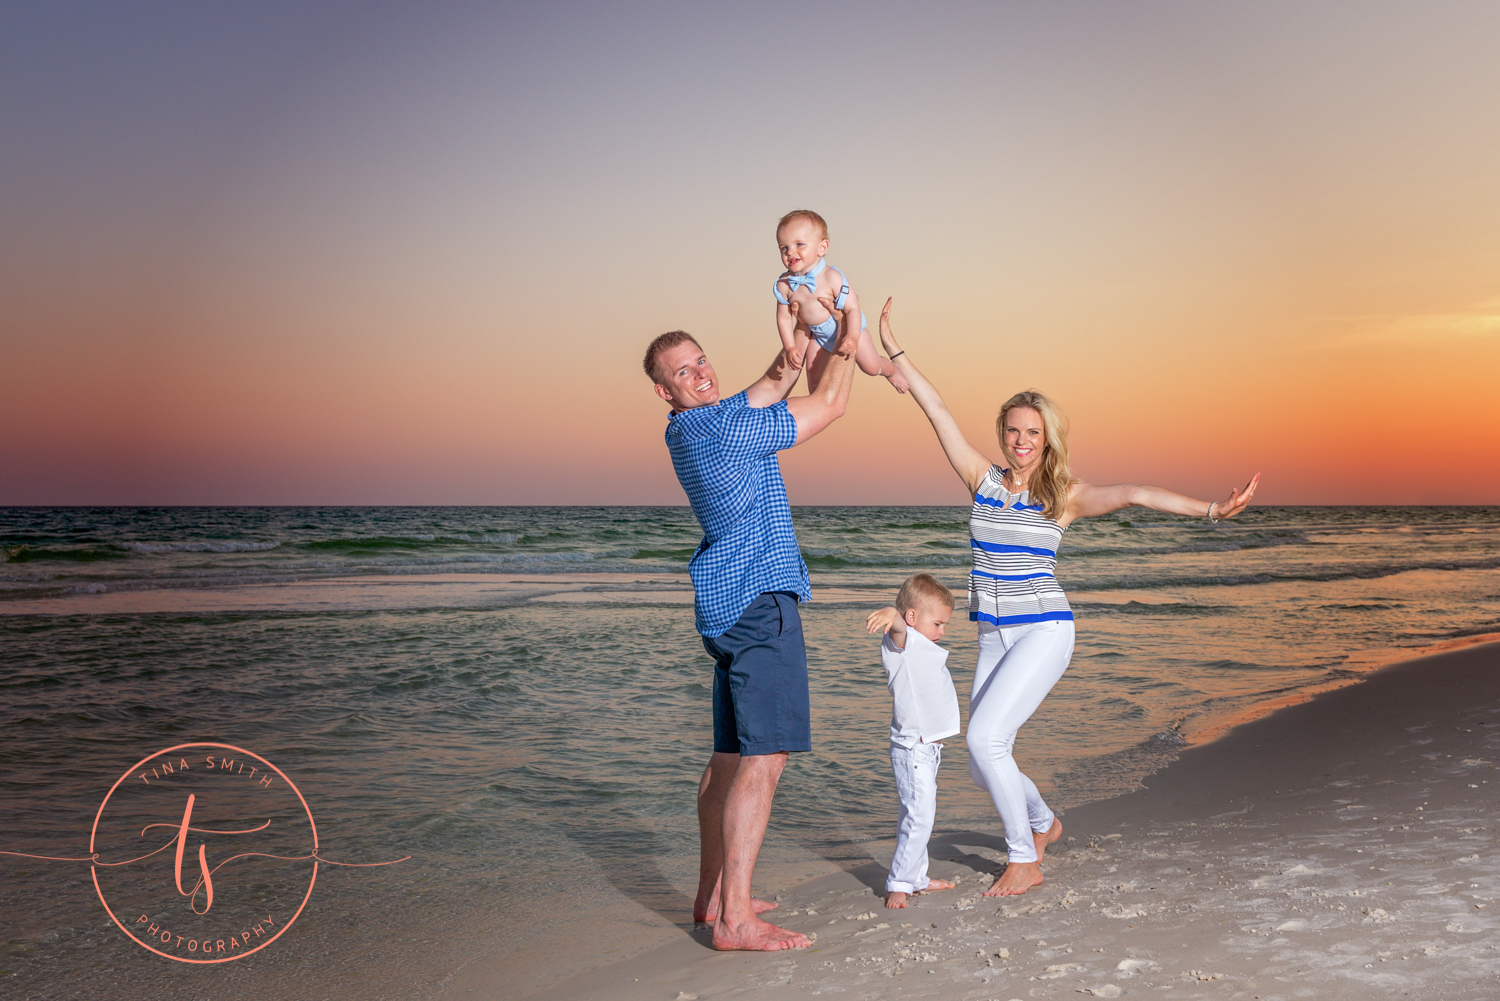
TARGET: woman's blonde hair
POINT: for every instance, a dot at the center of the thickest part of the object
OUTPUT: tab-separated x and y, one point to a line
1053	480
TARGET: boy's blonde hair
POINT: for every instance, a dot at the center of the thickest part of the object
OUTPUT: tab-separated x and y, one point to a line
807	214
920	589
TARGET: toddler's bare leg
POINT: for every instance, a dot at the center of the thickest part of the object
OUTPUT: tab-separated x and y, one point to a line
872	362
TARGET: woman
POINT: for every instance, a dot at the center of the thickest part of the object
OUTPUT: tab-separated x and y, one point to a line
1025	624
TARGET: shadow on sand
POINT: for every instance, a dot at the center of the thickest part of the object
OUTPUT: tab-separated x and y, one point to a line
628	851
962	847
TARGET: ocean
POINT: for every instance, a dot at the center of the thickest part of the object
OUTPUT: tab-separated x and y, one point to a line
516	697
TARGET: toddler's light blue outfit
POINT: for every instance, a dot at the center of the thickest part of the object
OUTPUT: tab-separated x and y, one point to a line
825	333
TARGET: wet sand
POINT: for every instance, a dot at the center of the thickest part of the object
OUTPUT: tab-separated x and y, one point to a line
1345	846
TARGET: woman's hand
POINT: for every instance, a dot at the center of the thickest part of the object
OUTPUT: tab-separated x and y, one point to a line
1238	500
967	461
1086	500
887	336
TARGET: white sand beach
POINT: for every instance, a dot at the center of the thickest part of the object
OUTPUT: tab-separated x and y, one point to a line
1345	846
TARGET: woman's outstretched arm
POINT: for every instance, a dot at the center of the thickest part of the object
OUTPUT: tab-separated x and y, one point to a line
1088	500
968	462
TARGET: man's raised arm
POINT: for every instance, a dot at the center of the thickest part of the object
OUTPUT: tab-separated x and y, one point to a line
818	409
775	385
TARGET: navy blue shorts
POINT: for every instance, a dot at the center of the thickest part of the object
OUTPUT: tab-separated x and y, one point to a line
760	680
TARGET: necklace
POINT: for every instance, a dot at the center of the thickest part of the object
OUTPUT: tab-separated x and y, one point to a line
1020	488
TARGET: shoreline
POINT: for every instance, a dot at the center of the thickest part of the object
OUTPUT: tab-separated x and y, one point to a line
1252	864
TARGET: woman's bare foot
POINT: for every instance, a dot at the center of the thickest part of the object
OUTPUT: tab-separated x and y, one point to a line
756	935
1018	877
895	899
937	884
1044	839
711	914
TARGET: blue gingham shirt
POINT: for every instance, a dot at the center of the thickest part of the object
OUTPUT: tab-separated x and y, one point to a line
725	458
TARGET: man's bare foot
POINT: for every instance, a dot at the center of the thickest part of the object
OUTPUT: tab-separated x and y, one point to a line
937	884
1018	877
712	913
1044	839
895	899
756	935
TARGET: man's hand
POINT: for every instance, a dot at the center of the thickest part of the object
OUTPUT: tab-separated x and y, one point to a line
848	342
794	358
827	403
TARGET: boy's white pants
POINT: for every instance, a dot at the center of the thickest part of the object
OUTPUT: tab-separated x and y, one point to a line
916	784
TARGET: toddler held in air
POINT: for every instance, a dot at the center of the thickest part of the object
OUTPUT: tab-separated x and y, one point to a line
925	711
808	331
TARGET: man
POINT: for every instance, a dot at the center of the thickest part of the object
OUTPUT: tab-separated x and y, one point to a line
748	576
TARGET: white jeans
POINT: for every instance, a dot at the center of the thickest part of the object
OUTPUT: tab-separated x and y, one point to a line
1018	665
916	784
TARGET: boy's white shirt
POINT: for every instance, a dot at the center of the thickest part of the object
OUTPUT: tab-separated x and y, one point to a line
925	703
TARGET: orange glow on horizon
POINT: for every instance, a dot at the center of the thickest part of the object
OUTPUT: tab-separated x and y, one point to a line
1224	240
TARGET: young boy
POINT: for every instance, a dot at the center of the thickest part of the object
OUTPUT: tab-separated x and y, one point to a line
926	711
808	331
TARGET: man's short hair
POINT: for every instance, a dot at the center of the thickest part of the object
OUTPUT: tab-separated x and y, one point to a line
665	342
920	589
809	215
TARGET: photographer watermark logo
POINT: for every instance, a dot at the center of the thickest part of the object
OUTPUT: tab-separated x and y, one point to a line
204	853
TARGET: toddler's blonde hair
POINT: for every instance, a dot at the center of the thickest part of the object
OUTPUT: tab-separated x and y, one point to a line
807	214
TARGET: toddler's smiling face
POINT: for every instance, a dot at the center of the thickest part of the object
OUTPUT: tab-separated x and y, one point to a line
802	245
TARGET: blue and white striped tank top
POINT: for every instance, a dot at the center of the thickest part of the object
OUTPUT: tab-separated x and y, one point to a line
1015	554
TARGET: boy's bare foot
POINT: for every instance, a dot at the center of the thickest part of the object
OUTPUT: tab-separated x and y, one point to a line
1045	838
756	935
897	899
899	382
711	913
1017	878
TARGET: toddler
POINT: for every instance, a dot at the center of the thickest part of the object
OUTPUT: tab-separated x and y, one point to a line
926	711
807	329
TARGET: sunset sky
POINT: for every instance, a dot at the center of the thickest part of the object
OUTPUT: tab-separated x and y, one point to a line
341	253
